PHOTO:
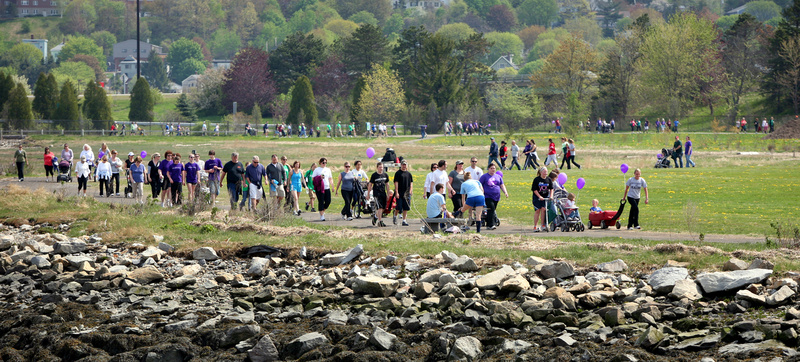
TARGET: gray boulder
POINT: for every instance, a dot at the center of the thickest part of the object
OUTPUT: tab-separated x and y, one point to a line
305	343
344	257
734	264
237	334
663	280
492	280
146	275
468	348
449	256
69	247
464	264
433	275
258	266
264	351
732	280
781	296
181	282
558	270
686	288
376	286
382	340
613	266
40	262
205	253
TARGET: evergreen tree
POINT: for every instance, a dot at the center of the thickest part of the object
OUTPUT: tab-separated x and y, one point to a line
45	98
19	109
367	46
141	102
96	106
6	85
156	73
302	99
67	114
183	106
356	95
437	74
788	28
53	93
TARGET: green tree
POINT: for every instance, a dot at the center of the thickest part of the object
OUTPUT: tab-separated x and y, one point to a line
569	70
363	17
302	102
224	43
511	106
187	68
19	109
538	12
79	16
742	59
296	56
6	86
456	31
763	10
141	102
367	46
45	97
503	44
787	30
609	10
248	24
382	98
186	58
73	71
105	40
355	107
183	106
156	73
342	28
67	115
96	106
22	55
726	22
407	53
437	75
82	45
586	28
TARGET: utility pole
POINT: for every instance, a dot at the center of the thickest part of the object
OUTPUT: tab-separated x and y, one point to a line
138	44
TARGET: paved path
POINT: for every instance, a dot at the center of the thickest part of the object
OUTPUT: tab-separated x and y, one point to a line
334	219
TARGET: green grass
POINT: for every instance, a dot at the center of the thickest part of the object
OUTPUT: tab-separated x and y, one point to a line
40	26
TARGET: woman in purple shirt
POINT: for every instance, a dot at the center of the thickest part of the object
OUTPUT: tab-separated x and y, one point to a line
192	174
687	151
176	180
163	170
492	184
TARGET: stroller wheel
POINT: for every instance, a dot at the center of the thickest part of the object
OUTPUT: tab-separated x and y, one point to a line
619	225
553	227
590	225
563	228
374	219
583	227
603	225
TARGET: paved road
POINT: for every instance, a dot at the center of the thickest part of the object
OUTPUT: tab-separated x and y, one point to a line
334	219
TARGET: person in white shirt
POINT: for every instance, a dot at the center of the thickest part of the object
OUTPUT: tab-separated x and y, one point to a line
323	193
440	176
473	169
116	165
82	172
428	179
88	155
103	175
205	128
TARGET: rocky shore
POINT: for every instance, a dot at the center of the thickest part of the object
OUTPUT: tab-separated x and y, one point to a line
64	298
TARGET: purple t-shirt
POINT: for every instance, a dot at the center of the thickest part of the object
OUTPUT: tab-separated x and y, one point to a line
688	147
213	176
164	166
176	172
491	186
191	172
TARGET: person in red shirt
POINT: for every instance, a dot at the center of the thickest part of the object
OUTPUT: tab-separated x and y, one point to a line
48	164
551	153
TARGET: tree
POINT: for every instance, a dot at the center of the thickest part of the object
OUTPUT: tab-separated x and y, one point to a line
408	51
82	45
763	10
382	98
105	40
365	47
437	75
510	105
45	97
296	56
331	79
22	56
569	69
224	44
91	62
503	44
302	102
79	17
19	109
618	74
363	17
788	28
530	34
342	28
248	25
790	78
142	103
456	31
76	72
571	9
381	9
501	17
538	12
609	10
6	86
185	108
742	59
110	19
249	80
96	106
355	107
470	52
67	115
156	73
481	6
186	58
586	28
207	98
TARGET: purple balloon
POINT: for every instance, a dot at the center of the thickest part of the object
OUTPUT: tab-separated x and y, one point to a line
581	183
99	156
143	154
624	168
499	173
370	152
553	122
489	125
562	179
660	155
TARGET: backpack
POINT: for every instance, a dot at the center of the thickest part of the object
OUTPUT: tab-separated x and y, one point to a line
318	182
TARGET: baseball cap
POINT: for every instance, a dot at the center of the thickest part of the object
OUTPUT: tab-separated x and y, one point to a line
130	153
492	138
459	162
404	163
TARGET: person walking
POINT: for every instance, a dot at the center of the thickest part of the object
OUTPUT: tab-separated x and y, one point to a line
322	180
633	190
571	158
564	151
255	173
377	188
360	176
213	166
297	182
276	177
116	166
192	176
494	151
403	188
48	165
677	152
473	169
551	153
137	175
153	177
177	178
455	179
440	176
542	188
309	181
82	171
492	184
503	154
347	184
87	152
514	156
472	198
234	170
689	149
66	155
103	175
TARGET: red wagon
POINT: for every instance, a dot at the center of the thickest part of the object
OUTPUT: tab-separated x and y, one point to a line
606	219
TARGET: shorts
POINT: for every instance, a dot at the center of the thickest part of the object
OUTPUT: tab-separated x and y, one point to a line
311	193
297	187
213	187
403	204
255	192
278	192
380	200
476	201
538	204
166	185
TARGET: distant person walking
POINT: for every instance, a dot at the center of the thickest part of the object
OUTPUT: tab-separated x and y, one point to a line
571	157
213	167
633	189
689	149
82	172
234	170
48	165
137	175
551	153
346	183
677	152
322	180
455	179
514	156
494	152
66	155
153	177
492	185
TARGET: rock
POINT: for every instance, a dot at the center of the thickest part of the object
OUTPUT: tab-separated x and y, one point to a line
749	296
781	296
157	238
246	317
40	262
181	282
514	284
558	270
732	280
613	266
562	299
734	264
205	253
382	340
663	280
447	278
237	334
153	252
164	246
492	280
565	340
344	257
761	264
422	289
792	314
189	270
376	286
434	275
180	325
686	288
448	256
464	264
145	275
336	317
650	338
305	343
614	317
468	348
264	351
516	346
258	266
744	349
69	247
699	343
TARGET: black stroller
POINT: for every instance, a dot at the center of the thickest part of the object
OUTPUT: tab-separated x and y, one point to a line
663	161
361	199
63	171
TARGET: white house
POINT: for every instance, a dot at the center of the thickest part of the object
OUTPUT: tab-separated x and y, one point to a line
40	44
190	83
505	61
429	4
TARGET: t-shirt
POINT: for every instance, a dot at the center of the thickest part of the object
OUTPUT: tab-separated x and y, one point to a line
234	172
435	203
678	147
348	180
276	172
360	175
164	166
404	179
635	187
255	174
128	163
514	151
309	181
326	176
458	178
379	180
176	172
137	172
471	188
210	164
192	169
596	209
66	155
689	148
571	149
551	150
48	159
491	186
153	170
543	186
438	177
474	172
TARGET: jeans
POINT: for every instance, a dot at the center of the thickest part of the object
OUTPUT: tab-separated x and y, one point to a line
348	200
155	187
21	170
514	161
114	178
457	205
676	158
491	212
104	183
177	192
572	159
82	183
495	159
324	199
689	160
233	191
633	217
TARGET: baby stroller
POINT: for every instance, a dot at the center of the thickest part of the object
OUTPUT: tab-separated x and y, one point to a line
128	189
606	219
63	171
391	203
663	161
561	220
361	199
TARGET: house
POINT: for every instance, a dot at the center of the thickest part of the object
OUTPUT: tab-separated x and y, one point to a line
221	64
427	4
40	44
128	66
123	50
34	7
737	11
56	51
190	83
505	61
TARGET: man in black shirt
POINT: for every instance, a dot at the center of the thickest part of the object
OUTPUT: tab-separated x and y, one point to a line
403	186
677	152
377	187
235	174
276	176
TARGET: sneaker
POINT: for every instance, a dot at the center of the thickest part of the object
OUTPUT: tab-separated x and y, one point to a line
322	218
492	227
117	193
349	219
638	228
405	223
20	180
313	210
630	228
306	206
394	219
537	230
381	224
344	217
